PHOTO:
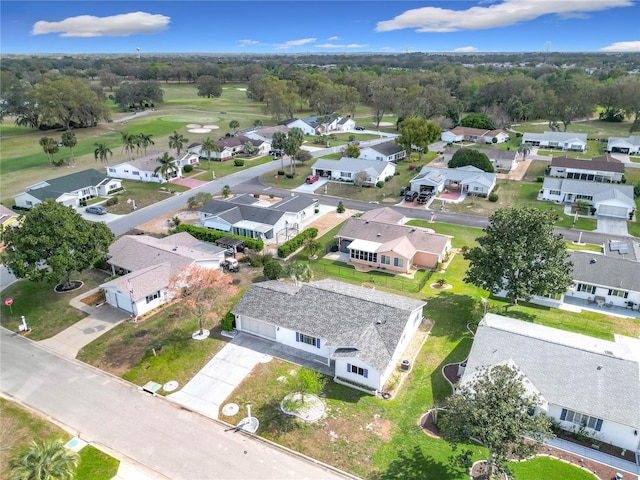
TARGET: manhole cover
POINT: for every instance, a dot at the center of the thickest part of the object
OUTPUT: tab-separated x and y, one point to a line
170	386
230	409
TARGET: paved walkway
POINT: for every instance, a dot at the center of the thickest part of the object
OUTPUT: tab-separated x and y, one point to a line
99	320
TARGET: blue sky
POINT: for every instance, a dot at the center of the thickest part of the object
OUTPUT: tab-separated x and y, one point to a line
296	26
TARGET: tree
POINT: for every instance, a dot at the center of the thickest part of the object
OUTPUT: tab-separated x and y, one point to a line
360	178
292	144
496	410
139	94
478	120
272	270
208	86
249	148
381	99
209	146
129	142
199	199
44	461
416	133
257	123
340	208
68	102
524	149
167	165
306	381
56	237
303	156
200	290
471	156
177	141
352	151
234	124
312	246
520	254
299	271
226	191
277	143
50	147
69	140
101	151
144	140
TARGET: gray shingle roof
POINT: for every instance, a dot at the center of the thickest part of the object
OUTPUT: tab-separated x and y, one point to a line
387	148
293	204
233	213
599	191
384	215
604	163
347	164
343	315
69	183
554	137
563	366
606	271
464	174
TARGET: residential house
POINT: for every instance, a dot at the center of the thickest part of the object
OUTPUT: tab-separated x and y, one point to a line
474	135
467	179
392	247
500	159
385	215
611	280
583	382
246	216
230	147
144	168
313	126
346	169
576	142
607	199
629	145
266	134
8	218
345	124
359	333
147	264
598	169
385	151
69	190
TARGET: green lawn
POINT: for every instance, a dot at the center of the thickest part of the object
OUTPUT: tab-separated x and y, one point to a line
549	469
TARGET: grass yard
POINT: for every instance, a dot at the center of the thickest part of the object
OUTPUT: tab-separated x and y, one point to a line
20	427
549	469
46	311
144	194
222	169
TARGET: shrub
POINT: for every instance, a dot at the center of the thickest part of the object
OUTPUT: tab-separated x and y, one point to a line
187	168
518	134
226	322
111	201
316	210
380	184
238	162
340	208
226	191
280	172
540	179
413	166
289	175
208	235
273	270
290	246
493	197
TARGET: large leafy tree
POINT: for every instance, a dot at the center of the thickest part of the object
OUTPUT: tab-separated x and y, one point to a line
201	289
139	94
208	86
521	255
471	156
478	120
44	461
496	410
177	141
52	242
417	133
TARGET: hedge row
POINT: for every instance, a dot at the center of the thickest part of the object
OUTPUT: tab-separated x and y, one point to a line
208	235
290	246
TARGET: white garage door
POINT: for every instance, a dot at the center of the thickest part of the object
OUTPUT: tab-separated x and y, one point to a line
259	328
612	211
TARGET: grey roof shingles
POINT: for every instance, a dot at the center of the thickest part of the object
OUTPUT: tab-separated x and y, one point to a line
68	183
234	213
341	314
606	271
563	367
388	148
604	163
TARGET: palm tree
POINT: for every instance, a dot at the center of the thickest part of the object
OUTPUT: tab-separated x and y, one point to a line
145	141
257	123
177	141
45	461
524	150
49	146
234	124
209	146
101	152
129	141
166	166
69	140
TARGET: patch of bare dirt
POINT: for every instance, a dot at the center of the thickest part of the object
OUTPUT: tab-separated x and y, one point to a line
94	298
163	225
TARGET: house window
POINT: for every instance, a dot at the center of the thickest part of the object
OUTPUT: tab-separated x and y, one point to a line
475	189
345	174
29	203
112	170
584	197
366	256
385	259
398	262
585	287
126	171
153	296
581	419
309	340
136	173
358	370
555	192
618	293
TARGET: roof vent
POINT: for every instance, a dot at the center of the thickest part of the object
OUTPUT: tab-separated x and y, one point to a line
609	352
593	260
599	367
380	322
378	235
413	230
175	248
366	221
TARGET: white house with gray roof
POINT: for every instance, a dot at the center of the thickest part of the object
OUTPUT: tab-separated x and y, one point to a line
629	145
467	179
346	168
609	199
568	141
582	381
144	169
385	152
247	216
359	333
612	279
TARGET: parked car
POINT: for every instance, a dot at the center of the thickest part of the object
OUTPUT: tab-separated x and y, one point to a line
424	197
230	265
96	209
359	128
410	196
312	179
277	152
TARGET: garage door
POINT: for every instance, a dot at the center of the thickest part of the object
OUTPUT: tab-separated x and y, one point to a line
612	211
259	328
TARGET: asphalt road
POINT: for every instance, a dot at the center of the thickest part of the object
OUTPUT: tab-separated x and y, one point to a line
149	431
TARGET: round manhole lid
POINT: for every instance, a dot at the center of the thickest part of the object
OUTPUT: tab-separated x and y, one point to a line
230	409
170	386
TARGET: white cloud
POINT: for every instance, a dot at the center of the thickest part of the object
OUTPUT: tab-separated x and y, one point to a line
247	42
390	49
295	43
465	49
622	47
502	14
350	45
134	23
333	39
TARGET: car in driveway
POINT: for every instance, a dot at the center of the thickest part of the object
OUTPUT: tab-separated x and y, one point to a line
312	179
96	209
359	128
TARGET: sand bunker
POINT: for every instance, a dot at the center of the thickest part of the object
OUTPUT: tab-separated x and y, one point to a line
199	130
387	124
242	89
194	125
211	127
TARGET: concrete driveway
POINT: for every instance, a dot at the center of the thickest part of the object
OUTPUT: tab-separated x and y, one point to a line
612	226
211	386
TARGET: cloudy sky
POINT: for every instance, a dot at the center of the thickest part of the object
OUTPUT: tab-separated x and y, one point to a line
294	26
